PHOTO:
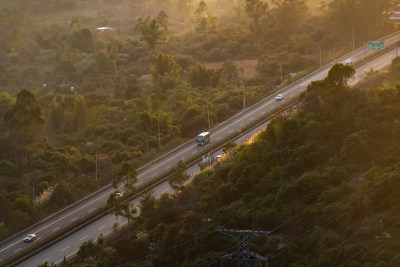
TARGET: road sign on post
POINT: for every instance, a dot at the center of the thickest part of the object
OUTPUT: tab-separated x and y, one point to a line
376	45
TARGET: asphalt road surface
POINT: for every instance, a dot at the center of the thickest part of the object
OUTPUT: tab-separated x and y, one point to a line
104	226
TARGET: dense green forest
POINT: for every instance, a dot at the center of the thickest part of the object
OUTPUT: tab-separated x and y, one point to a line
71	91
323	178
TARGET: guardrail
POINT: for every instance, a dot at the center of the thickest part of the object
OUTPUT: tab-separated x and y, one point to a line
83	222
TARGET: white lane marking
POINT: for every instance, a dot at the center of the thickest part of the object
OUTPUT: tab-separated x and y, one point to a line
139	183
101	227
168	167
231	131
106	194
107	233
56	229
84	237
74	219
39	238
241	124
62	218
194	152
164	191
218	138
154	175
17	250
46	259
171	158
66	257
92	209
65	248
252	119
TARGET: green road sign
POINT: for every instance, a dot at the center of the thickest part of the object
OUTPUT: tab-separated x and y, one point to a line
376	45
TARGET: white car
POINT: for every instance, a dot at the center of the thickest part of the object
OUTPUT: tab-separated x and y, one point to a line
116	195
29	238
348	61
279	97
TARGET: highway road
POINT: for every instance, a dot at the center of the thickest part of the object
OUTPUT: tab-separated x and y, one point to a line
61	219
104	226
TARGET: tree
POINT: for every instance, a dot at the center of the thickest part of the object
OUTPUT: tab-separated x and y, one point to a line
290	15
3	231
6	102
26	121
56	115
165	71
62	194
4	205
256	10
201	10
230	72
128	212
66	69
105	65
18	220
4	77
199	75
364	17
79	114
126	173
229	146
339	74
179	176
152	30
83	40
23	203
88	252
148	204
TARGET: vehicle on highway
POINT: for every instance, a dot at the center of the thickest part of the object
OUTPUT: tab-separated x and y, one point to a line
348	61
114	196
203	138
30	238
279	97
117	195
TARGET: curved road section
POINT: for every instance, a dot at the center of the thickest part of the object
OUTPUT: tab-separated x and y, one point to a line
147	173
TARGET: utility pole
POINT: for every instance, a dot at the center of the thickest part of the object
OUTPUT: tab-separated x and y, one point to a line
33	199
96	164
365	46
208	117
243	256
320	56
244	94
159	135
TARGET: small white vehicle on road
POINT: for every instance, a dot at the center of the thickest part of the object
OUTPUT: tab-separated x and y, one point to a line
29	238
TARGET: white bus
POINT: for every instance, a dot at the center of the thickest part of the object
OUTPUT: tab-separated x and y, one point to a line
203	138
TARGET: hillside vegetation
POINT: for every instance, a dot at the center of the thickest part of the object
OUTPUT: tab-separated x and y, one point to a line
323	178
71	93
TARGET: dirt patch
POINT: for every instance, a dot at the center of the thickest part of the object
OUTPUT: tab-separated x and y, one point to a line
248	66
